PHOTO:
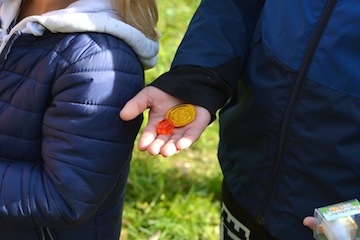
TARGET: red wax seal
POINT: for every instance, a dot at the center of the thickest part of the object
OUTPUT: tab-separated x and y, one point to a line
165	127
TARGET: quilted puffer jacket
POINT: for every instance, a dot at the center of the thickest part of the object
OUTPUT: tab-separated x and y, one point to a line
64	152
290	135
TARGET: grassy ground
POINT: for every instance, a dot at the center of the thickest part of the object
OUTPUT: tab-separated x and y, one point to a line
175	198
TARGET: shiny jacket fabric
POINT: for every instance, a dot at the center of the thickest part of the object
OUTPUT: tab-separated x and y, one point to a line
290	135
64	151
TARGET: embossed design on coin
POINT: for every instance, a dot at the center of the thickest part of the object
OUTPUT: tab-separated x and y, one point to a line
181	114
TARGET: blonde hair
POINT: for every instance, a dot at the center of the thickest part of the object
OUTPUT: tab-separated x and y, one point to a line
141	14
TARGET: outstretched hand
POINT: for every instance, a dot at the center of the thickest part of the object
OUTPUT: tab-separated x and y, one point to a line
159	102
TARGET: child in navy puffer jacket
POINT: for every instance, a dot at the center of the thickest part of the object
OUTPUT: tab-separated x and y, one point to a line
66	69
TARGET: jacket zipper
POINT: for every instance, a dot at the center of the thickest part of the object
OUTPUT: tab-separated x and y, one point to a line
293	101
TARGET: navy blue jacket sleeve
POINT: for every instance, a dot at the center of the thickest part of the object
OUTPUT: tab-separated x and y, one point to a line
208	62
85	145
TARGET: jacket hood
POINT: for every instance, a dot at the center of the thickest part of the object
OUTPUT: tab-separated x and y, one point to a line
80	16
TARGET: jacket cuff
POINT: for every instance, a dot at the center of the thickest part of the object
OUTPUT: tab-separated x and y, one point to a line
197	85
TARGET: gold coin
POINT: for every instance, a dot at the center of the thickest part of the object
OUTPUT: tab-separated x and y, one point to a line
181	114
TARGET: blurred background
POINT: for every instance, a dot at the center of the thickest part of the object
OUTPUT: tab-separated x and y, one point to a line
179	197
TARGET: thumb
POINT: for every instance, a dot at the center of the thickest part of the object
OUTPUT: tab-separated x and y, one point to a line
310	222
134	107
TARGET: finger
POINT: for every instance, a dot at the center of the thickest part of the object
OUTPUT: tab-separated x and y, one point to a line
169	148
310	222
168	145
147	137
186	141
193	131
181	139
149	133
134	107
161	144
145	140
190	135
155	147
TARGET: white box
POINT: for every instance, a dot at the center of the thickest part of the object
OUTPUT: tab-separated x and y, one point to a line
339	221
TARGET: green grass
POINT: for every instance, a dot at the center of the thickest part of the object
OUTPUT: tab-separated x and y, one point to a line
178	197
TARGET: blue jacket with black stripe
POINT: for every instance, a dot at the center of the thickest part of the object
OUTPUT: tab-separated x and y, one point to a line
286	75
